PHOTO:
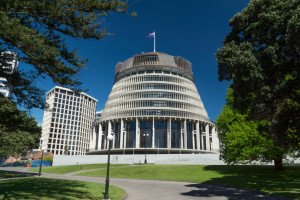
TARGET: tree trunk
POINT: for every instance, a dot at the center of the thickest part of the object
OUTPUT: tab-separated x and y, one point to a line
278	163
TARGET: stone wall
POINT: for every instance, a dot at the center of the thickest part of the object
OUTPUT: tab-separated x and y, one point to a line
200	159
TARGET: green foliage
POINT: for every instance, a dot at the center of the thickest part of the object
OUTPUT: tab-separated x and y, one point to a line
261	55
36	30
48	158
18	132
243	142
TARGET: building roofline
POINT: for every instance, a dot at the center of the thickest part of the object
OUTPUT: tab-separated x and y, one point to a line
59	87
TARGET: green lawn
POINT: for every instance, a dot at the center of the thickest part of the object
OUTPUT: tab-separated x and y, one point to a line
72	168
46	189
7	174
263	178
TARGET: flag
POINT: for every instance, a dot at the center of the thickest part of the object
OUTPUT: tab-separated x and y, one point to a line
151	34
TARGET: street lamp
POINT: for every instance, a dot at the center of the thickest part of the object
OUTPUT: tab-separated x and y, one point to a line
145	135
106	193
41	163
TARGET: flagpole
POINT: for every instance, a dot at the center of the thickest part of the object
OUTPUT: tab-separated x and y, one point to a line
154	41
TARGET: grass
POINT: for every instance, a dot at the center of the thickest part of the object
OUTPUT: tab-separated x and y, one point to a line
186	173
72	168
46	189
8	174
263	178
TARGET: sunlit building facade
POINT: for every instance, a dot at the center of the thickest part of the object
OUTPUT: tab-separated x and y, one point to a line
154	106
8	65
68	121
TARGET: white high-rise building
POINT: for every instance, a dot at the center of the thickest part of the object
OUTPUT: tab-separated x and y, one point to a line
67	123
8	64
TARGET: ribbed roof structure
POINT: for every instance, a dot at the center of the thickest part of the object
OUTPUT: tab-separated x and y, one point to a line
154	84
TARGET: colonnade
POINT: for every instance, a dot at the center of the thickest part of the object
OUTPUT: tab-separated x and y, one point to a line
156	133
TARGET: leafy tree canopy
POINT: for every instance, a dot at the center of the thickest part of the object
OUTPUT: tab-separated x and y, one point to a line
36	29
18	132
261	56
244	140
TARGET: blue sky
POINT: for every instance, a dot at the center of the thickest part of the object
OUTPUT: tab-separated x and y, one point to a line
193	29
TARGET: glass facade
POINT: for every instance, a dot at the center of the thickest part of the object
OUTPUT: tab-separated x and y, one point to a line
189	135
116	127
146	133
161	131
175	136
130	129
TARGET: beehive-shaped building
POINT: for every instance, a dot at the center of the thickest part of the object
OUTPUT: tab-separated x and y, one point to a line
154	105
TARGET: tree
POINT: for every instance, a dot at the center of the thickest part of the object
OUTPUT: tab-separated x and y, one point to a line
261	58
18	132
244	140
36	29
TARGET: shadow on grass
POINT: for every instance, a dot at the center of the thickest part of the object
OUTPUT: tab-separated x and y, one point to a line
38	188
14	174
260	178
209	190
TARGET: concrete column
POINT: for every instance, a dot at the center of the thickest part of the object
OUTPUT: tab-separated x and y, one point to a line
121	134
153	133
215	140
169	136
181	135
193	138
100	136
207	136
125	136
92	139
201	135
112	130
185	135
198	135
137	134
105	140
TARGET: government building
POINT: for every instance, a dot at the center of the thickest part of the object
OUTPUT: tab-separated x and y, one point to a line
68	121
154	106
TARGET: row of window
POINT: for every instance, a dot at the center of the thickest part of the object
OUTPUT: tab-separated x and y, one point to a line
152	103
63	94
72	130
156	95
57	91
69	143
155	86
62	152
64	108
154	77
171	72
53	137
71	115
65	121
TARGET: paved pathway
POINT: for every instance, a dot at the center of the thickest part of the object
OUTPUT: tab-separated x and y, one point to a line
167	190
